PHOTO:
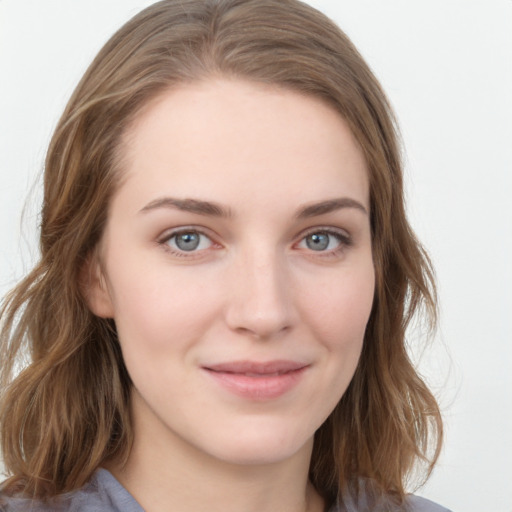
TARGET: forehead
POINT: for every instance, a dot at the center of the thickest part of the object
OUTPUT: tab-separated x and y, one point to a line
227	137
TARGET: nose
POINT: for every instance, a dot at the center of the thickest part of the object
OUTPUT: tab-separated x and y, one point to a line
261	299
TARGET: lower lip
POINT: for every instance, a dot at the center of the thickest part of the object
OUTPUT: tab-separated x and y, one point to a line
264	387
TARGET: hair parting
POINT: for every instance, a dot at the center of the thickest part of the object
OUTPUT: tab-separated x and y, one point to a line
67	411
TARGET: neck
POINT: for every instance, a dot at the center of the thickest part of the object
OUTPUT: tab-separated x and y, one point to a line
164	473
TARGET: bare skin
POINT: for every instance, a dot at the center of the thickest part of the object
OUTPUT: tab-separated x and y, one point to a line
237	265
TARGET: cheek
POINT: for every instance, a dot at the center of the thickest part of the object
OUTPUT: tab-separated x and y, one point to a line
337	314
339	309
158	311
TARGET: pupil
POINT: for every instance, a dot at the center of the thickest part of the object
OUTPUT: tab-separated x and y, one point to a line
317	241
187	241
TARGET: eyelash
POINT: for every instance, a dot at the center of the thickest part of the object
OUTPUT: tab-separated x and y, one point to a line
342	237
168	236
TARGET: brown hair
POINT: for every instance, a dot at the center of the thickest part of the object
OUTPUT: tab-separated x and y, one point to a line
67	412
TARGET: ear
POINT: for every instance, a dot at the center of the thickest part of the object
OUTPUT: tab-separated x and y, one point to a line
93	286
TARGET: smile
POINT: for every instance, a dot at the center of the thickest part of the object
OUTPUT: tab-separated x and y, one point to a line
257	381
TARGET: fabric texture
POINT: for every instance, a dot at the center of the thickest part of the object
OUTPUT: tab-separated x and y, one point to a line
104	493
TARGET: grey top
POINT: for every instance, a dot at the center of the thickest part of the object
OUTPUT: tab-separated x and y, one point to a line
104	493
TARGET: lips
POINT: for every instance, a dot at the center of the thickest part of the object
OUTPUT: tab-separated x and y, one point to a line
257	380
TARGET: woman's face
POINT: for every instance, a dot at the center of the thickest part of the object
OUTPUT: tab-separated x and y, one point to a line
237	265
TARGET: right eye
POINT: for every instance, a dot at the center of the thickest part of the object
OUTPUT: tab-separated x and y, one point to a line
187	241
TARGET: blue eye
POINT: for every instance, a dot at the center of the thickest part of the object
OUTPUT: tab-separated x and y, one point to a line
189	241
318	241
323	241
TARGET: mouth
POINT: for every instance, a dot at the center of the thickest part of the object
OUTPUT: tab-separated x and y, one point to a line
257	380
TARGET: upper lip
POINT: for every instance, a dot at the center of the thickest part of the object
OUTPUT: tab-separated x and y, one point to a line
256	368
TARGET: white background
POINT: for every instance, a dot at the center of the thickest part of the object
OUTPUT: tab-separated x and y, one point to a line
447	67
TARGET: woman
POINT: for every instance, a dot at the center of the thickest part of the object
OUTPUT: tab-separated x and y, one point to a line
218	317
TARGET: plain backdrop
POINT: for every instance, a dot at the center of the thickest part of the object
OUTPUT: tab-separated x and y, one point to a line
447	68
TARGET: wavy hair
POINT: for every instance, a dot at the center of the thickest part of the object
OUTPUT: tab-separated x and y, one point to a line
67	411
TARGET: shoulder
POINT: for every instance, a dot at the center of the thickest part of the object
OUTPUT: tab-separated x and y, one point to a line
103	492
412	503
418	504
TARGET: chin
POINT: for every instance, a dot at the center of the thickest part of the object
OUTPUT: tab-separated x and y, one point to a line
260	446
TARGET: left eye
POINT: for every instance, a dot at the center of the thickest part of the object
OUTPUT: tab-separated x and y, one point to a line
321	241
188	241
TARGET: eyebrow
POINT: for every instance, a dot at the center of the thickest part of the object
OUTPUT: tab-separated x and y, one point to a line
188	205
329	206
213	209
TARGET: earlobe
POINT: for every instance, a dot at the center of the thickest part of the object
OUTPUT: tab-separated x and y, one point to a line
94	288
